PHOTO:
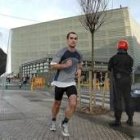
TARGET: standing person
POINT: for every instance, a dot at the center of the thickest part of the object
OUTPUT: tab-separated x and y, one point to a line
120	66
68	63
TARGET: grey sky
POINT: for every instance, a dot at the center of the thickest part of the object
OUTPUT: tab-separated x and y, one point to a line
45	10
15	13
133	6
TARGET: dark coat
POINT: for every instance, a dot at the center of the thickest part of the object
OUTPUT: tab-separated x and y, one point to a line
121	63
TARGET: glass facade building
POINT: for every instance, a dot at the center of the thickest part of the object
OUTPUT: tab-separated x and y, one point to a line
42	40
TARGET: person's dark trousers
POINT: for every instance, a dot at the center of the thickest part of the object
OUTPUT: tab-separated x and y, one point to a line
122	89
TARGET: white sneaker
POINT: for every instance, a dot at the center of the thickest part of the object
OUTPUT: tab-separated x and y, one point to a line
53	126
64	128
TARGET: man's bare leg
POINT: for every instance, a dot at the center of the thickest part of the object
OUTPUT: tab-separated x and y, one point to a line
55	108
55	111
71	107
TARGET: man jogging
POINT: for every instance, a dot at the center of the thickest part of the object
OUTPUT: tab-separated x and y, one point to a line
68	63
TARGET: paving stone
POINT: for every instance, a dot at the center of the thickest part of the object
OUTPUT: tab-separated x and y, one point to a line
21	118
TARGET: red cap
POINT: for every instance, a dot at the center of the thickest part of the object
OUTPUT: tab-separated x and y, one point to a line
122	44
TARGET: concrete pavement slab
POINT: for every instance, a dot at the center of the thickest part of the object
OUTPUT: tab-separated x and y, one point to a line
26	115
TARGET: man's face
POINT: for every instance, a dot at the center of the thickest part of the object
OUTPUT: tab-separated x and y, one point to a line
72	40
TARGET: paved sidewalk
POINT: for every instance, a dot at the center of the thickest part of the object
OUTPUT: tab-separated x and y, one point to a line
26	115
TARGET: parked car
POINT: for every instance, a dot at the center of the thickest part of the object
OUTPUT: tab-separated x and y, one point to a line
135	93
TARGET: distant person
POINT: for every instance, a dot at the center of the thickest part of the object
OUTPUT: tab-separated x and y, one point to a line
101	79
24	81
120	66
68	63
8	79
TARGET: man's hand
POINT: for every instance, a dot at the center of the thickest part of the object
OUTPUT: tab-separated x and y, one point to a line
78	73
68	63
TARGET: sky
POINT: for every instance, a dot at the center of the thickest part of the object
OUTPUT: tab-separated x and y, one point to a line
16	13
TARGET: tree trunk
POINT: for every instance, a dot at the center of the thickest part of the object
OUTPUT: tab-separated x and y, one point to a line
92	74
92	53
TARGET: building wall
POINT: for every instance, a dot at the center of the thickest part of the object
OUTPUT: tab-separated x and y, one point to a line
135	29
36	41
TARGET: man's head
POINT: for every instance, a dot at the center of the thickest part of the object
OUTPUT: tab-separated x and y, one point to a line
72	39
123	44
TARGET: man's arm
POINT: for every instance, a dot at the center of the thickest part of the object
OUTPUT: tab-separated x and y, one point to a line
79	70
61	66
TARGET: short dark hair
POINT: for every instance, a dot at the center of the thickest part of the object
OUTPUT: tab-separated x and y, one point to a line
71	33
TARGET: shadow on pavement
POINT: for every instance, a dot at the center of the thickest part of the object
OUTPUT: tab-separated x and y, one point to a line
132	131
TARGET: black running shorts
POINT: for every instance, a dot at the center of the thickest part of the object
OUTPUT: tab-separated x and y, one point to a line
59	91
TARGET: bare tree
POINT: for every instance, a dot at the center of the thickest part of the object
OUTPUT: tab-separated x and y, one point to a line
94	13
